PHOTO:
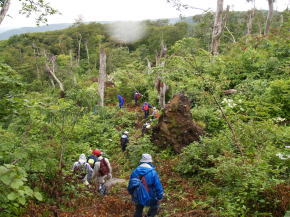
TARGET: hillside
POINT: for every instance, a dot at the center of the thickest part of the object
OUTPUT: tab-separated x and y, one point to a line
217	126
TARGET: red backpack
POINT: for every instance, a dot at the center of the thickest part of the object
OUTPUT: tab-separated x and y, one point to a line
146	107
104	168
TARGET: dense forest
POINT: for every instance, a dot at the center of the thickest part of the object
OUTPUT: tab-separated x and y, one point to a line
58	99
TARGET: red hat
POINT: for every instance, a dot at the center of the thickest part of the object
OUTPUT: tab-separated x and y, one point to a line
97	152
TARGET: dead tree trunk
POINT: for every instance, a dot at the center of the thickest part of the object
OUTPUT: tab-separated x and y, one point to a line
250	21
87	51
79	48
217	27
102	76
269	17
160	85
71	67
50	68
149	67
4	10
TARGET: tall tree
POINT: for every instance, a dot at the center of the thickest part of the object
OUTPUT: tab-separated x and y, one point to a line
102	75
160	84
218	27
250	18
5	4
39	7
269	16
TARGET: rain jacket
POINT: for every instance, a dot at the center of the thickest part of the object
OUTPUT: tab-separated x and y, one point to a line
121	100
152	180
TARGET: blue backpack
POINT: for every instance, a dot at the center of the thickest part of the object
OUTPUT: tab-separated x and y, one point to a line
140	194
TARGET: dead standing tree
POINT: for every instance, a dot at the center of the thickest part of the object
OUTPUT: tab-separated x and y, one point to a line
102	75
269	16
219	23
50	67
5	7
160	84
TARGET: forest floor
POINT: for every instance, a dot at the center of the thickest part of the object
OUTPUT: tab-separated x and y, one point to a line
179	199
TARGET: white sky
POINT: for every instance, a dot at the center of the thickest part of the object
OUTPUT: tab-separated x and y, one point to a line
112	10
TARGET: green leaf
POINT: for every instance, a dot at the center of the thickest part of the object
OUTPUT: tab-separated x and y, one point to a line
12	196
3	170
38	196
22	200
28	191
16	184
5	179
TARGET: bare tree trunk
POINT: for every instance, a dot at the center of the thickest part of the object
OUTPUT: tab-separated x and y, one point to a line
281	21
37	68
217	27
71	67
4	10
149	67
269	17
51	71
250	22
79	48
102	76
160	85
260	29
88	54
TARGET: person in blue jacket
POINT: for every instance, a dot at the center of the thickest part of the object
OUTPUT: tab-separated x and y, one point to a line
148	176
121	101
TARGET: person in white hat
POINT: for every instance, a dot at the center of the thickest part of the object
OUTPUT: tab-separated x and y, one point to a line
83	170
124	140
145	177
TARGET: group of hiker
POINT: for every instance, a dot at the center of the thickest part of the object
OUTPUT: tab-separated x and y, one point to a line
145	107
144	185
93	169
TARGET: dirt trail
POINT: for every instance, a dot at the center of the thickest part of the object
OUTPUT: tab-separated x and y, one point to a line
178	201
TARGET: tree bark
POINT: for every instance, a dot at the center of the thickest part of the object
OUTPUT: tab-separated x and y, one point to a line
50	67
71	67
79	48
161	86
102	76
269	17
217	27
4	10
88	54
250	22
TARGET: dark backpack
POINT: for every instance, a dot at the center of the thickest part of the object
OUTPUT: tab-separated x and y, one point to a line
104	167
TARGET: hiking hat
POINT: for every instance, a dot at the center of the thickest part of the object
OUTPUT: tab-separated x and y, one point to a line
126	132
96	152
82	158
146	158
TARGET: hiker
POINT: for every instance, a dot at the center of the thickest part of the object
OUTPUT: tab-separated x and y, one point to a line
155	113
124	140
102	170
83	170
92	159
145	187
146	108
121	101
146	127
137	96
